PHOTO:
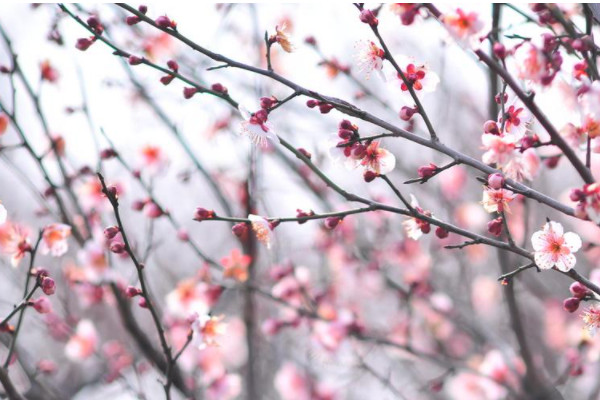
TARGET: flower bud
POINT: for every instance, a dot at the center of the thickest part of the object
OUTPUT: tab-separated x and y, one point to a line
132	291
491	127
368	17
42	305
571	304
332	222
267	102
173	66
406	113
495	226
312	103
48	286
135	60
152	210
499	50
188	92
271	326
142	302
578	290
240	230
117	247
164	22
111	232
577	195
183	235
427	171
310	40
93	22
441	233
501	98
143	9
132	20
305	153
83	44
552	162
107	154
202	213
496	181
217	87
369	176
302	214
324	108
138	205
165	80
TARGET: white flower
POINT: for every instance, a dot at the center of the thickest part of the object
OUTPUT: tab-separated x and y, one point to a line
554	248
369	57
256	127
261	229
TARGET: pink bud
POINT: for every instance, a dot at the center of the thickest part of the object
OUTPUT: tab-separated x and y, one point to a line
302	214
406	113
491	127
172	64
345	124
305	153
202	213
188	92
271	326
48	285
495	226
578	290
240	230
107	154
577	195
93	21
164	22
138	205
324	108
111	231
217	87
496	181
502	99
332	222
571	304
441	233
368	17
165	80
312	103
132	291
310	40
132	20
152	210
427	171
142	302
552	162
83	44
143	9
499	50
42	305
117	247
183	235
135	60
369	176
267	102
46	366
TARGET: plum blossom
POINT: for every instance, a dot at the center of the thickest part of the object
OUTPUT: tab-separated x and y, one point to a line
516	119
377	159
207	329
282	37
256	127
538	62
262	229
591	319
369	57
83	343
463	26
54	239
503	151
236	265
422	79
192	297
415	227
14	240
496	200
554	248
153	159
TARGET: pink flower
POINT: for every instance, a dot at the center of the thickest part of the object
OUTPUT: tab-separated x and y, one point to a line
207	329
192	297
554	248
262	229
378	160
257	128
517	119
415	227
369	57
14	240
54	239
236	265
530	62
292	384
496	200
42	305
423	80
499	148
83	343
591	319
463	26
153	159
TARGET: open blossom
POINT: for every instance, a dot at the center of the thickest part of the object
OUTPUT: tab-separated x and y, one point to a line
83	343
207	329
503	151
589	102
54	239
261	229
236	265
496	200
533	64
462	25
153	159
415	227
517	119
554	248
14	240
378	160
369	57
283	38
419	76
192	297
591	319
499	149
256	127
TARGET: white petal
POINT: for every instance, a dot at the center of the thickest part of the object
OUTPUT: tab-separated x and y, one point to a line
543	260
566	262
387	163
539	240
572	241
556	227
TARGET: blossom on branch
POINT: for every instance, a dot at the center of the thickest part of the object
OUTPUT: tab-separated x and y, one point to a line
257	128
554	248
